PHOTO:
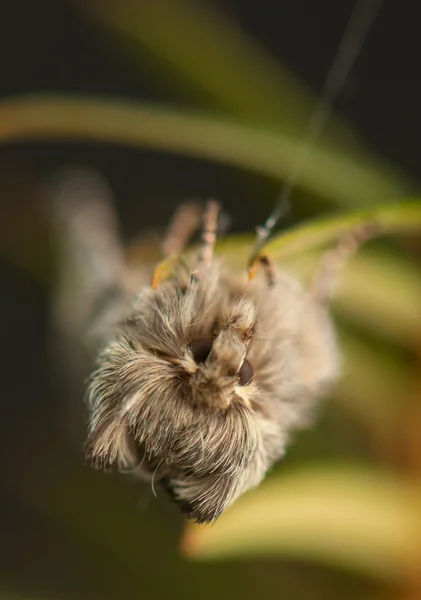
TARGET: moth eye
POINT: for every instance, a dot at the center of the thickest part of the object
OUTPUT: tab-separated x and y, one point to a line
245	374
200	348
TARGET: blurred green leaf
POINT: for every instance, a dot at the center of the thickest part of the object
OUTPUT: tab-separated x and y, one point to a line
384	295
376	290
350	517
206	50
329	174
404	215
372	386
226	64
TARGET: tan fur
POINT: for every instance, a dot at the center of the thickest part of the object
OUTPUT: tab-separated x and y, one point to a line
155	411
208	438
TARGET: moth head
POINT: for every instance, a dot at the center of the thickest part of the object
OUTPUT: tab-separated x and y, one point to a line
174	393
220	369
204	383
219	373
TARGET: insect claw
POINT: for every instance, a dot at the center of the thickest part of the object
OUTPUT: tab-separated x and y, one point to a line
252	268
163	271
265	262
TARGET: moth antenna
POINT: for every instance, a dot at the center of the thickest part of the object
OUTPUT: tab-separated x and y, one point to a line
209	231
362	17
334	259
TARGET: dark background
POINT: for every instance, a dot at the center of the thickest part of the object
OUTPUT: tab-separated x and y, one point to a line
49	46
47	500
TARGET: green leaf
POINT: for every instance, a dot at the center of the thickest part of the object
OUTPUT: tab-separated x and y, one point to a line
364	294
401	216
227	68
235	74
383	295
342	516
373	385
329	174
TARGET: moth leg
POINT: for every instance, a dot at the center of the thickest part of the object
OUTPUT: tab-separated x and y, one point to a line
92	264
90	279
209	232
184	223
334	259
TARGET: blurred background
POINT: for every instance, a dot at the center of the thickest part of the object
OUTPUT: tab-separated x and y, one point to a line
171	100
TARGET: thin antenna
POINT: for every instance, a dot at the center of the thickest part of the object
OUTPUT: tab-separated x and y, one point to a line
363	15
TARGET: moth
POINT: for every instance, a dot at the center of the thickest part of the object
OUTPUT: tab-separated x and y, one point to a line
199	383
200	378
